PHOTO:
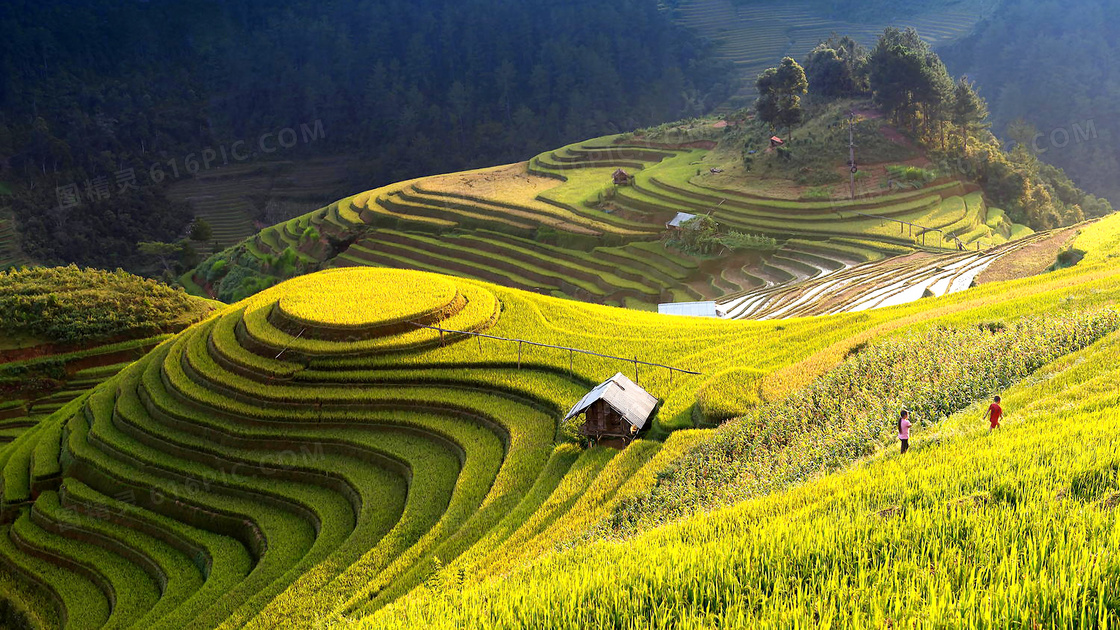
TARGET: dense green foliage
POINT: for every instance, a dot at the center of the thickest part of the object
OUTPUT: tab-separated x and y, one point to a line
909	82
70	305
702	236
101	233
837	68
780	90
414	89
1048	63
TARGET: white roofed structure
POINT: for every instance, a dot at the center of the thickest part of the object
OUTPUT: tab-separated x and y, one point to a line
681	217
615	400
689	309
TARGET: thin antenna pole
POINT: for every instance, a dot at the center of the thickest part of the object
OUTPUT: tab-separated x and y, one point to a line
852	151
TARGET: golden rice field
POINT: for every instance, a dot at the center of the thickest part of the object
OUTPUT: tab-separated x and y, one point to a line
317	455
365	297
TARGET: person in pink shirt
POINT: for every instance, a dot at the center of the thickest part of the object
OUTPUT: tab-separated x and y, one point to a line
904	430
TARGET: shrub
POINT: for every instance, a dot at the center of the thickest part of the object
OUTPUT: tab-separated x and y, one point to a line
71	305
911	175
217	270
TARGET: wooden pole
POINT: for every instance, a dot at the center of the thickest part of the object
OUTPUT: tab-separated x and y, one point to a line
519	355
852	152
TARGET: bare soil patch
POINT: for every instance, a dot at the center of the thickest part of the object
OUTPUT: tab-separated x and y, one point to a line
1028	261
895	136
511	183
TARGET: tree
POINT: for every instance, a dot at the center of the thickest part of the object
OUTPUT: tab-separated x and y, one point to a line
969	111
837	67
201	231
1022	136
164	252
907	78
780	89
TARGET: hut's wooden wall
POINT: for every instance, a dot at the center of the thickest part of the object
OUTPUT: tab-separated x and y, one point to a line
600	420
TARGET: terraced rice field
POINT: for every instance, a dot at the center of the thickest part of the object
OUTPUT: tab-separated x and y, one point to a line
558	226
865	286
756	36
319	451
1030	506
285	458
602	275
78	372
10	253
228	197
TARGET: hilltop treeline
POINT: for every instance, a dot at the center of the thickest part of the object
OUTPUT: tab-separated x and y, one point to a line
908	82
1048	64
91	90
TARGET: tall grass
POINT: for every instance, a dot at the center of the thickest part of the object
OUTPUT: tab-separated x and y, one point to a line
852	411
1014	529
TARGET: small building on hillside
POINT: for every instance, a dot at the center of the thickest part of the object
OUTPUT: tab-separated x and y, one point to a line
676	222
617	408
690	309
776	142
622	178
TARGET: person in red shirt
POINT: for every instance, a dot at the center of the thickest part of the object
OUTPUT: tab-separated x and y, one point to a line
994	413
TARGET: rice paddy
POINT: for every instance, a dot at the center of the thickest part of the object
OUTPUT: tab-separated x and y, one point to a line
557	225
286	462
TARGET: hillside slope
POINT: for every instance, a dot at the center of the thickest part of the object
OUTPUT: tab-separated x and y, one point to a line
317	451
559	226
65	330
1015	528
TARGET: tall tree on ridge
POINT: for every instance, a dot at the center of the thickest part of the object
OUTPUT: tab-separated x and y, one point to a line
908	80
969	110
837	67
781	89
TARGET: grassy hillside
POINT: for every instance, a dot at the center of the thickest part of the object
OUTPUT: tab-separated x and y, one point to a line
559	226
968	529
312	452
65	330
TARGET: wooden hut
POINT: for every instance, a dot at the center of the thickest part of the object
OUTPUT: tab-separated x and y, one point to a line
617	408
621	178
776	142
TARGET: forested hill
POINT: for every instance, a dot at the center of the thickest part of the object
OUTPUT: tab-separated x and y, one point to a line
1048	64
90	88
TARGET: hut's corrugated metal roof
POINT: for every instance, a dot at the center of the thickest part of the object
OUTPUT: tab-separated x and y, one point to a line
680	218
624	396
